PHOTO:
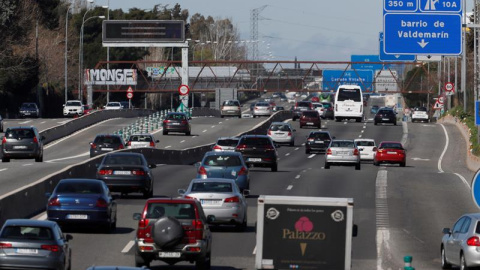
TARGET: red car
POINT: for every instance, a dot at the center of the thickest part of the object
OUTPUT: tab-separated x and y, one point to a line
315	99
390	152
310	119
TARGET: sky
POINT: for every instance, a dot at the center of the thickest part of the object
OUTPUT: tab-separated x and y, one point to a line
311	30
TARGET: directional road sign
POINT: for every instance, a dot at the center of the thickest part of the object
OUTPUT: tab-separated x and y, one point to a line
477	113
333	78
476	188
422	27
366	59
393	57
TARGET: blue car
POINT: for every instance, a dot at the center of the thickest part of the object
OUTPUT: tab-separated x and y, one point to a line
374	109
229	165
82	202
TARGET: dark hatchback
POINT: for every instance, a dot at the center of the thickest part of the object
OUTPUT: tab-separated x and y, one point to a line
385	115
126	173
176	122
299	107
258	151
105	143
29	109
22	143
310	119
82	202
318	141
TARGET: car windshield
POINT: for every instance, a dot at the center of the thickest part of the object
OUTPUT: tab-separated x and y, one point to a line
140	138
176	210
227	142
113	104
27	232
365	143
391	146
349	94
74	103
222	161
215	187
348	144
79	187
107	139
320	136
317	105
123	160
279	128
19	133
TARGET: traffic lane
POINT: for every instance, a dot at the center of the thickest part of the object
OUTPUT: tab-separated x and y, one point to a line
384	132
40	123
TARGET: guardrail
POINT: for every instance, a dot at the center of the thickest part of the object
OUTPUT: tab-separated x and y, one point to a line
31	200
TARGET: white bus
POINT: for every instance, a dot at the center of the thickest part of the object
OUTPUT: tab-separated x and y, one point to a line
348	103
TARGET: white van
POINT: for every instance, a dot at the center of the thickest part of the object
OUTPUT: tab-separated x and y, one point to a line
348	103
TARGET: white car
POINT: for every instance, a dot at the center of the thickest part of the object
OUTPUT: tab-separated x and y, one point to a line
113	106
73	107
281	132
367	148
141	140
318	107
420	114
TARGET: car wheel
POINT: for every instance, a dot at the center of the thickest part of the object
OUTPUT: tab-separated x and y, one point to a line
140	261
375	163
463	263
275	167
292	143
165	132
242	226
148	193
239	116
188	133
307	151
445	264
254	116
301	126
204	263
375	123
402	164
221	116
39	159
357	166
4	159
337	119
395	123
293	119
358	120
167	232
327	166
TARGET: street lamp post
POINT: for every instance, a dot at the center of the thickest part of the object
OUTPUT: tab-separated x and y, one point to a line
66	50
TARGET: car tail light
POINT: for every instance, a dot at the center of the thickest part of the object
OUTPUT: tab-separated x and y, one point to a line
243	171
241	147
152	144
269	147
105	172
5	245
121	146
232	200
216	147
329	151
184	122
4	140
53	248
54	202
310	139
473	241
144	231
166	121
356	152
101	203
289	133
93	146
269	132
379	150
188	197
202	171
35	140
129	143
374	149
256	108
138	172
198	225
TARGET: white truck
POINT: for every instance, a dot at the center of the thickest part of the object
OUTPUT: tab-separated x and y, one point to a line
304	232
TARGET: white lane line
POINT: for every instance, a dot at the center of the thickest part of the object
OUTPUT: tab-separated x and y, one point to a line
463	179
43	122
182	141
4	169
166	147
289	187
344	123
287	154
220	123
129	245
25	122
303	144
155	132
296	148
312	155
65	158
254	250
227	119
362	131
42	216
359	136
194	137
29	164
382	218
212	126
298	176
204	131
364	126
444	149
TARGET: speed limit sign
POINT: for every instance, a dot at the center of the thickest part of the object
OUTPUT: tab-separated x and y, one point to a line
183	89
449	87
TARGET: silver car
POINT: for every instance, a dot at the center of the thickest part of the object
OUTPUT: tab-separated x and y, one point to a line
342	152
281	132
262	109
140	140
226	144
460	245
221	198
231	108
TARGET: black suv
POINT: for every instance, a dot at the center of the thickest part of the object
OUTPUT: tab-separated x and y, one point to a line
104	143
29	110
258	150
173	230
318	141
22	143
385	115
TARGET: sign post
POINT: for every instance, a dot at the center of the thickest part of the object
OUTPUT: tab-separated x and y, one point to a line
183	90
449	88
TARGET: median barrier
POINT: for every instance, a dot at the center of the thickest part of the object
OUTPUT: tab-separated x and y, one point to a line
31	200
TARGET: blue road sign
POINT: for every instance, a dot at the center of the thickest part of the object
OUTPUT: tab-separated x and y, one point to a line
417	33
400	5
366	59
476	189
450	6
393	57
333	78
477	113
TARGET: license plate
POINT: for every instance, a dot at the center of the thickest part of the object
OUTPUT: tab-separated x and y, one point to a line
385	119
20	147
26	251
107	149
77	216
343	153
211	202
122	172
310	124
27	113
169	254
392	153
175	124
318	141
255	159
231	111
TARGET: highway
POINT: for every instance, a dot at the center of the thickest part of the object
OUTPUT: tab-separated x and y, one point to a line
399	211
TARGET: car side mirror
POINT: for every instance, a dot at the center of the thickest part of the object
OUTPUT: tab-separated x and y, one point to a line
246	192
137	216
48	194
43	138
181	191
354	230
63	105
374	149
198	164
294	130
446	231
68	237
97	165
210	218
333	138
157	141
152	166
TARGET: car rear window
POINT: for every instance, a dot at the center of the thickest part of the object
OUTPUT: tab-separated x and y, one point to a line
385	112
20	133
255	141
349	94
231	103
140	138
365	143
212	187
29	106
279	128
176	210
310	114
262	104
222	161
303	104
227	142
123	160
176	116
327	105
27	232
391	146
83	188
321	136
107	139
343	144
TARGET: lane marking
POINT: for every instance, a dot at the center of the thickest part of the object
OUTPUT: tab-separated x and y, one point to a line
296	148
290	187
220	123
312	155
43	122
298	176
303	144
212	126
364	126
182	141
129	245
463	179
204	131
254	250
25	122
362	131
444	149
287	154
166	147
4	169
72	157
359	136
382	218
194	137
29	164
344	123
